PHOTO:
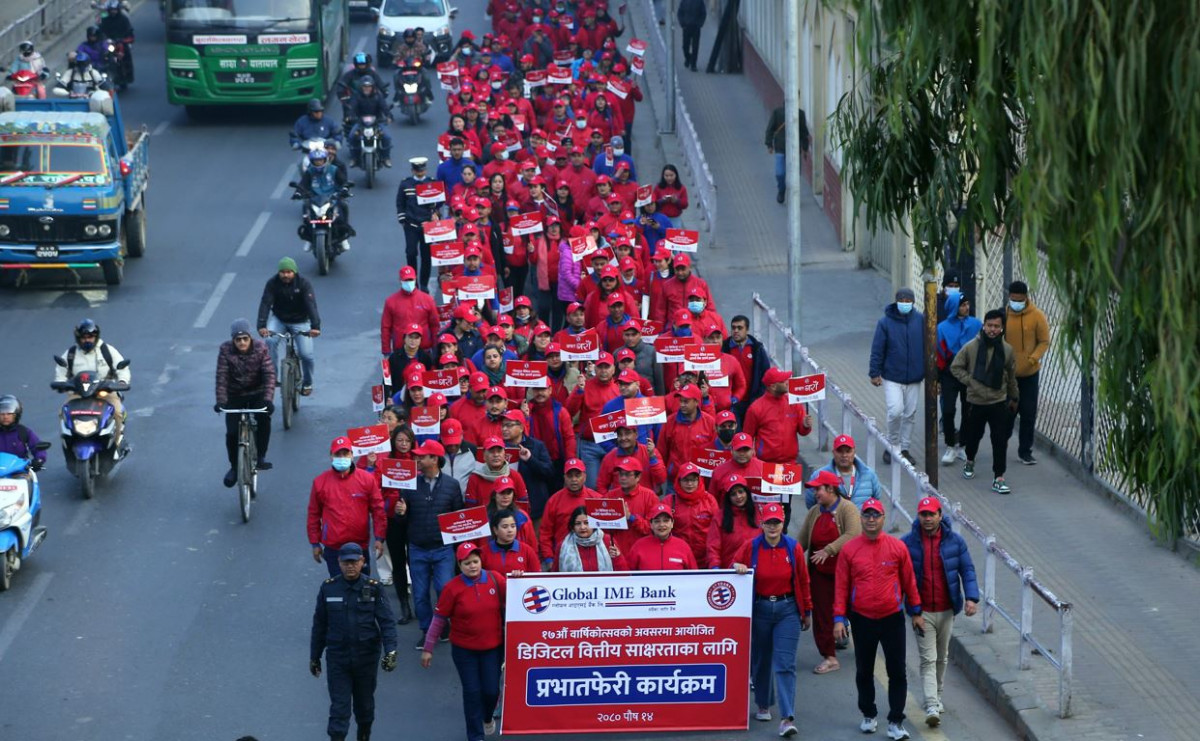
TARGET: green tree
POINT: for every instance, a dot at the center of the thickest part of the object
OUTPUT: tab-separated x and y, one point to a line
1075	127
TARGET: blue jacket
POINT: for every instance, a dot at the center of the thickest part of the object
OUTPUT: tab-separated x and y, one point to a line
450	171
898	350
954	332
600	167
654	234
956	562
307	127
866	484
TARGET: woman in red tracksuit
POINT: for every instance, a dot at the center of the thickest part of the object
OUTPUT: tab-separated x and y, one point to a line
736	526
660	550
505	552
588	549
473	603
695	510
504	498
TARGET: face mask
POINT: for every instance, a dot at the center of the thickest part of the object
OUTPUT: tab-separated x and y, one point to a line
953	291
904	308
725	435
495	86
1016	305
695	306
618	152
408	285
628	281
502	155
664	273
683	331
87	345
341	465
580	123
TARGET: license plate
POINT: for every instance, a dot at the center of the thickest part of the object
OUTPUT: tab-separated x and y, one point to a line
46	251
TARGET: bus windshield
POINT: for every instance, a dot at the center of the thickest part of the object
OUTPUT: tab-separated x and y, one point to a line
284	14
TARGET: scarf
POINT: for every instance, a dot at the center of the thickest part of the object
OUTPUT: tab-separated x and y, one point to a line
489	475
496	377
990	374
568	553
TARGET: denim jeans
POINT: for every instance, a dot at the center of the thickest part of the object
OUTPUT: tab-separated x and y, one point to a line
591	454
427	565
781	171
304	347
479	672
775	636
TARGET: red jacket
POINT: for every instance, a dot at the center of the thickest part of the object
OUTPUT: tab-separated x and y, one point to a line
675	295
639	502
582	181
680	442
874	578
595	310
551	423
723	547
587	401
556	519
338	506
694	514
651	554
401	309
475	610
654	473
479	489
778	572
726	385
719	486
471	414
774	425
520	557
671	208
612	336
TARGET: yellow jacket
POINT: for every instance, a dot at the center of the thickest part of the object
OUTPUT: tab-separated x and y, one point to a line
1029	334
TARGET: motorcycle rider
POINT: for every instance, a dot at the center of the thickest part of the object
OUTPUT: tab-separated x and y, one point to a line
412	47
90	353
290	304
81	72
313	125
94	46
369	101
351	80
405	62
323	179
411	215
245	380
16	438
30	59
115	25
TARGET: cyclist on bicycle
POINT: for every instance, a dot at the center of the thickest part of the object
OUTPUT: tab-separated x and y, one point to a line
289	304
245	380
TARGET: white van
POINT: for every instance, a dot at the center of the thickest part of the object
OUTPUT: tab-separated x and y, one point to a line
396	16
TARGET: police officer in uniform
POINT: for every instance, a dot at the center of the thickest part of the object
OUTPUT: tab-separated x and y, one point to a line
411	215
352	617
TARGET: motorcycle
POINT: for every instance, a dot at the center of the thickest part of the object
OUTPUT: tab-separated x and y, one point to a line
79	88
26	83
116	63
368	148
322	226
20	511
88	425
410	95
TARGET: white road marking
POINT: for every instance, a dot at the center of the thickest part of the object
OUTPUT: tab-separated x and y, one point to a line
361	45
214	300
158	130
13	625
82	514
288	175
252	235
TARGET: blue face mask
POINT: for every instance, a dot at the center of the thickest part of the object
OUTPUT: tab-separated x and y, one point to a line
695	306
683	331
341	465
904	308
408	285
1016	305
953	290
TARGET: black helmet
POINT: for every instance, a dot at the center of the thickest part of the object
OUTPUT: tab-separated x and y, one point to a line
26	48
410	33
86	327
9	404
315	105
93	32
360	61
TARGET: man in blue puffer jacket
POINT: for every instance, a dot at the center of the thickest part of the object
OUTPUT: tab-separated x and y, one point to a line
956	330
898	364
944	571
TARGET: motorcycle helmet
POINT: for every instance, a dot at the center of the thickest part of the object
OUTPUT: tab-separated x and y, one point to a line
368	82
93	33
82	61
84	328
360	61
317	159
26	48
112	7
315	106
9	404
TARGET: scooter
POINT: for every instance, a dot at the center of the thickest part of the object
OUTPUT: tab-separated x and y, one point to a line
20	511
322	225
88	426
368	148
26	83
409	94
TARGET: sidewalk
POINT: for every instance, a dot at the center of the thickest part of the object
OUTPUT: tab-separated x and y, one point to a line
1124	587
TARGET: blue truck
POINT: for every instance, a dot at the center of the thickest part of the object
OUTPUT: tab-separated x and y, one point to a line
72	187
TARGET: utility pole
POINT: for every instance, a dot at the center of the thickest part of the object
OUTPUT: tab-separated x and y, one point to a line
931	378
669	127
791	109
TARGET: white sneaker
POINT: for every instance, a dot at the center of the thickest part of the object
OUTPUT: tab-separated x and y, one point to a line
933	718
489	728
960	452
868	725
763	714
949	456
345	245
897	731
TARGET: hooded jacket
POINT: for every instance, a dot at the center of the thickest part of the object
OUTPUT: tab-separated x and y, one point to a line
774	425
954	332
694	515
898	349
1028	332
957	565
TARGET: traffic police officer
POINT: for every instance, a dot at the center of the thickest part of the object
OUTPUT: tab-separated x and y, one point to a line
352	616
411	215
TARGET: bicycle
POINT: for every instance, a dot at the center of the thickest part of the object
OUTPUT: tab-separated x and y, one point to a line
247	461
290	377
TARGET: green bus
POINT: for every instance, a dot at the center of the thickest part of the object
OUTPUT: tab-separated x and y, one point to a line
222	52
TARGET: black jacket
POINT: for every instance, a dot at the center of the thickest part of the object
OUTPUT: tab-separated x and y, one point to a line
537	472
424	505
776	136
352	619
691	13
410	212
754	385
292	303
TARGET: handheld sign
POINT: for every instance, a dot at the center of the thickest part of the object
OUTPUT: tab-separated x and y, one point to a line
646	410
377	398
371	439
433	191
506	300
756	492
464	524
425	421
530	374
806	388
558	76
618	87
530	223
564	57
702	358
441	230
643	195
607	514
398	474
651	330
709	459
581	247
604	426
782	478
669	349
583	346
473	287
682	240
444	380
636	47
387	372
637	65
446	253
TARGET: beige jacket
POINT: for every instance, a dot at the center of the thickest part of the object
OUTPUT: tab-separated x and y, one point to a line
848	522
979	393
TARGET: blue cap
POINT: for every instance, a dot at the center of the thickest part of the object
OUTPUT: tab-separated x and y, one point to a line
350	552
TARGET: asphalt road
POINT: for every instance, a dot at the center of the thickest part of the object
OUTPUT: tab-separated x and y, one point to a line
152	612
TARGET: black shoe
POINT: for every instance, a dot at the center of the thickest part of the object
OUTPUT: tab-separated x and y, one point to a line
1028	459
908	457
364	732
421	643
406	614
781	196
445	634
264	464
230	478
887	458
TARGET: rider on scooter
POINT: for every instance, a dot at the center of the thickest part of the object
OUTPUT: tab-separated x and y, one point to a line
90	353
115	25
313	125
80	73
94	47
16	438
323	179
29	59
369	101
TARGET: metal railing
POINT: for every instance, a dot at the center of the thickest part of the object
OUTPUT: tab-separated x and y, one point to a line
703	185
44	23
907	481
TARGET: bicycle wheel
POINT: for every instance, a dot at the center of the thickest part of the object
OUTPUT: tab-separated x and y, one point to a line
297	381
289	391
245	467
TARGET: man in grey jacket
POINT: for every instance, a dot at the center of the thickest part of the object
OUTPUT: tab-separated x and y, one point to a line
987	367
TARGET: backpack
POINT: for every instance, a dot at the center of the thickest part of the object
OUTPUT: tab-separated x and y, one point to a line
104	353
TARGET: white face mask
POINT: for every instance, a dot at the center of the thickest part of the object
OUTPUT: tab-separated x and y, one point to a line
904	307
580	123
618	152
1016	305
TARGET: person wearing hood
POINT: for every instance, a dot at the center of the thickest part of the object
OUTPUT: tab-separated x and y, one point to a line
339	504
956	330
1028	333
987	367
495	466
246	380
694	508
898	365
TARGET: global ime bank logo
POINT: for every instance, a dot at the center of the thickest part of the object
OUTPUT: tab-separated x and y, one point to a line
721	595
536	599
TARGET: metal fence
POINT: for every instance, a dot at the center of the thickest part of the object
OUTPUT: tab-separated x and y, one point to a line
838	414
702	185
49	20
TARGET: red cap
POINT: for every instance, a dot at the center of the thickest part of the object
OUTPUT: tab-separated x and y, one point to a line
574	306
635	324
626	262
479	382
514	415
874	504
775	375
432	447
574	464
710	327
340	443
772	511
604	180
736	479
726	416
492	442
690	391
436	399
452	432
604	359
472	249
843	441
629	464
616	297
448	359
489	330
929	504
662	253
465	549
414	328
504	483
542	328
522	301
741	440
683	317
494	391
661	509
624	354
447	338
505	321
465	311
687	469
609	271
407	273
824	478
629	375
681	258
413	379
554	349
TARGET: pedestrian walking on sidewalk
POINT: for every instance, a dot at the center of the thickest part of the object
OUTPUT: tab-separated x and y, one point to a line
898	364
776	141
956	330
987	367
874	585
944	571
1028	333
827	528
691	15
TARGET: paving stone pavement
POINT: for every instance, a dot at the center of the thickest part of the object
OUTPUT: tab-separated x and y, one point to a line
1136	658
